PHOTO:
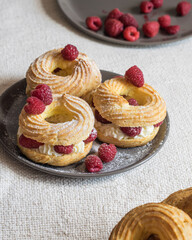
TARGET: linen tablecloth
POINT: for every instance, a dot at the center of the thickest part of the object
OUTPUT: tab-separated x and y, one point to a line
35	205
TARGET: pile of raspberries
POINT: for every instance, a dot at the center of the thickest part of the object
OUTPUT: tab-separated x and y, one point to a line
118	23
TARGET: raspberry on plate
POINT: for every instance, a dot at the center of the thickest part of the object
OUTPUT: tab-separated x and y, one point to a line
28	142
92	136
128	20
131	34
115	14
135	76
93	163
131	131
34	106
107	152
113	27
99	118
94	23
183	8
164	21
146	7
172	29
151	29
158	124
133	102
63	149
157	3
43	92
70	52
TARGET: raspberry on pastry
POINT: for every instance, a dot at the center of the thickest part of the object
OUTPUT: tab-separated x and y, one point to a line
43	92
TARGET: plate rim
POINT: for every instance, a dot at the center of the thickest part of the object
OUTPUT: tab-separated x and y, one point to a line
119	41
52	171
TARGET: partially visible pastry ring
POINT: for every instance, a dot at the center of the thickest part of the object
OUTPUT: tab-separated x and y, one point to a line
161	220
181	199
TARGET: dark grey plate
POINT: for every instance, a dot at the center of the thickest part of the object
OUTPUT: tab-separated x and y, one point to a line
11	103
78	10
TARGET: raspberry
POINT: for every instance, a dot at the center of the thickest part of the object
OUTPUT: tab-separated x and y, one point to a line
146	7
43	92
128	20
28	142
93	163
113	27
92	136
172	29
183	8
63	149
133	102
135	76
34	106
164	21
70	52
131	34
99	118
158	124
131	131
151	29
115	14
107	152
157	3
94	23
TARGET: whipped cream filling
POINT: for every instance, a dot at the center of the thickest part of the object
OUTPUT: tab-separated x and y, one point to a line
49	149
112	130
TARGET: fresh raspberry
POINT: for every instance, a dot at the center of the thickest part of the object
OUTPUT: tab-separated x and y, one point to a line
146	7
151	29
63	149
115	14
70	52
113	27
107	152
131	34
158	124
172	29
99	118
92	136
28	142
183	8
164	21
93	163
131	131
157	3
43	92
135	76
133	102
94	23
128	20
34	106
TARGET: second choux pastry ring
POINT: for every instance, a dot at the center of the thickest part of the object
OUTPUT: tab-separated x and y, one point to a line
75	75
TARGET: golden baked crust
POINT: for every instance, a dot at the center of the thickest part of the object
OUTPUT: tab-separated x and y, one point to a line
79	122
109	101
124	143
63	160
181	199
76	78
165	221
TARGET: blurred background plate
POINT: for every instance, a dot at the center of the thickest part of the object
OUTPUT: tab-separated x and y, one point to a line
78	10
13	100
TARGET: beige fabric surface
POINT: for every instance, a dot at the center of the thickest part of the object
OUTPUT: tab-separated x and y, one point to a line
34	205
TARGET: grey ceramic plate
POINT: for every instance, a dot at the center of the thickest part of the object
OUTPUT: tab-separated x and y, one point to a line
11	103
77	11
